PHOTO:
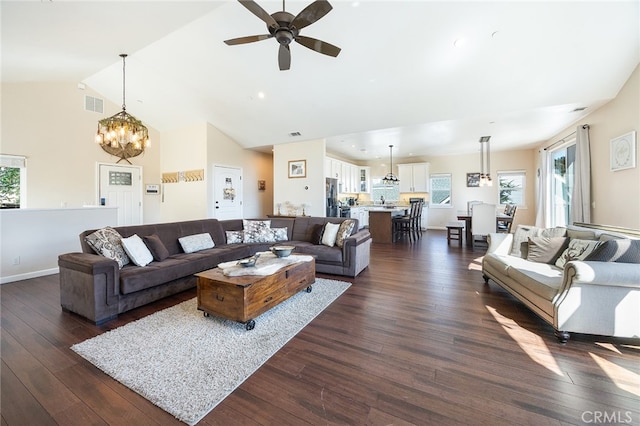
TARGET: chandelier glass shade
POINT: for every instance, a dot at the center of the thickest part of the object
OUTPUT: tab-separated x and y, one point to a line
122	135
485	160
390	178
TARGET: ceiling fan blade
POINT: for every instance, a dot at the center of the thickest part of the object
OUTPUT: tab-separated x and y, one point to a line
257	10
247	39
319	46
284	57
311	13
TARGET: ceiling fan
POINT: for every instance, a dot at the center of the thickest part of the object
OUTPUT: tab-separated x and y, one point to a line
286	28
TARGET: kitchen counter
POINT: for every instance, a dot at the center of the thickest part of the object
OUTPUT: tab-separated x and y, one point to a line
381	222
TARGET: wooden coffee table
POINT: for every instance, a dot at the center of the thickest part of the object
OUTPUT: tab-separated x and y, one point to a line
245	297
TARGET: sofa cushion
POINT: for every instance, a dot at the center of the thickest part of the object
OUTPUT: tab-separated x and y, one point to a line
330	234
346	228
541	279
156	247
617	250
137	250
580	234
546	249
322	253
135	278
107	242
577	250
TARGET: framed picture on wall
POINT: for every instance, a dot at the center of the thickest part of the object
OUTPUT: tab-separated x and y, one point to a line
473	179
623	152
298	168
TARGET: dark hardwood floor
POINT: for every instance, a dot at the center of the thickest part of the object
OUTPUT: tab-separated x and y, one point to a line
417	339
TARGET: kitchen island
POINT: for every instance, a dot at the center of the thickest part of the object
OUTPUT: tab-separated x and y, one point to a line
381	222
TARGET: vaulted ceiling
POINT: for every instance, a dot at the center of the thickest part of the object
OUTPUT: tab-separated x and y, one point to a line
519	71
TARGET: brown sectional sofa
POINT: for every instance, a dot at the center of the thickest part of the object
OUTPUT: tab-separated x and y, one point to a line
94	287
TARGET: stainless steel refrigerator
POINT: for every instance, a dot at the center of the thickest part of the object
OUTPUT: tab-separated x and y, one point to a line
332	197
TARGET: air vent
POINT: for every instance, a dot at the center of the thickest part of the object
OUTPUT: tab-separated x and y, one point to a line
294	134
93	104
579	109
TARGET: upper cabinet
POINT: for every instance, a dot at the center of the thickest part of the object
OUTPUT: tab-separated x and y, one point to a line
414	177
348	175
364	185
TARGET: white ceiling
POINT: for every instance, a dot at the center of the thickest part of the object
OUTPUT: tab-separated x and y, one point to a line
521	71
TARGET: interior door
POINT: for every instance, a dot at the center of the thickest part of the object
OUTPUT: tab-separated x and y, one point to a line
121	186
227	192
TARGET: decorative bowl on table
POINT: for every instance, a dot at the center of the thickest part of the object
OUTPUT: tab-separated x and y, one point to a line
281	251
249	261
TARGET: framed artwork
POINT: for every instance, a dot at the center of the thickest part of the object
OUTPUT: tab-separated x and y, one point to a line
623	152
298	168
473	179
262	185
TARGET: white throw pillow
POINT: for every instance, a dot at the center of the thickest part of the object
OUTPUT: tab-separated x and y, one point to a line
330	234
577	250
137	250
197	242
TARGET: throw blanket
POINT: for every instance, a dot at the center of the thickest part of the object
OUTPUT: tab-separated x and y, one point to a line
267	264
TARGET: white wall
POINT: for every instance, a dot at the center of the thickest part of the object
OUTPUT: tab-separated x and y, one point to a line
309	190
616	194
32	239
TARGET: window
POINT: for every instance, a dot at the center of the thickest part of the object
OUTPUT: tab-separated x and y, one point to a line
511	185
12	181
379	191
440	195
561	172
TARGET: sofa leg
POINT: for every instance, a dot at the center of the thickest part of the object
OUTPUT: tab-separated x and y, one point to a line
562	336
486	279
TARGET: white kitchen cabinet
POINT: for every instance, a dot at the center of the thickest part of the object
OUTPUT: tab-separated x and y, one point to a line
363	179
362	215
414	177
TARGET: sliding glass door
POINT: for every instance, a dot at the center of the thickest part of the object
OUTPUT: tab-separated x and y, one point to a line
562	169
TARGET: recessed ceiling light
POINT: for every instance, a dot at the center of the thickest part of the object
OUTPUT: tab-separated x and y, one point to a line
261	95
495	34
459	42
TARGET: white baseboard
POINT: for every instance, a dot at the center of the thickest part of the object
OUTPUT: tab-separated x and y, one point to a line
26	276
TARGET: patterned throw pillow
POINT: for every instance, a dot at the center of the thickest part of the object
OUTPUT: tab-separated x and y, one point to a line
617	250
577	250
196	242
106	242
279	234
344	231
520	243
136	250
257	231
234	237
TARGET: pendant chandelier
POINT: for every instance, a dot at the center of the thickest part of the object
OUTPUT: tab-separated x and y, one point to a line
390	178
485	159
122	135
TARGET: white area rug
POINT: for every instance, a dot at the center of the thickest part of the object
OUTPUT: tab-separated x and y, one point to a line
186	363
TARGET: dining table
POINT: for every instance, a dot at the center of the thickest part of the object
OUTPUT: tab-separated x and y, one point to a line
466	216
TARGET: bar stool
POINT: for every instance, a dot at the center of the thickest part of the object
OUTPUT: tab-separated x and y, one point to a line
454	231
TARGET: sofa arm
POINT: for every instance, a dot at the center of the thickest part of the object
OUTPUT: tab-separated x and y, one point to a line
89	285
612	274
499	243
356	239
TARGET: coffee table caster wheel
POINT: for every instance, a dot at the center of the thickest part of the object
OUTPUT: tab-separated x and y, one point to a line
250	325
308	289
206	314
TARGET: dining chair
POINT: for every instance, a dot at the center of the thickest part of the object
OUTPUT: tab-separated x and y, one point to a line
504	226
408	225
483	221
470	205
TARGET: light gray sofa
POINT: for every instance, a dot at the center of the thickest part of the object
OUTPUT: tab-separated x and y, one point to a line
94	287
591	297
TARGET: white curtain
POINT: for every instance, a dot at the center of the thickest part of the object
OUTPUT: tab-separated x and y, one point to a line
542	204
581	197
